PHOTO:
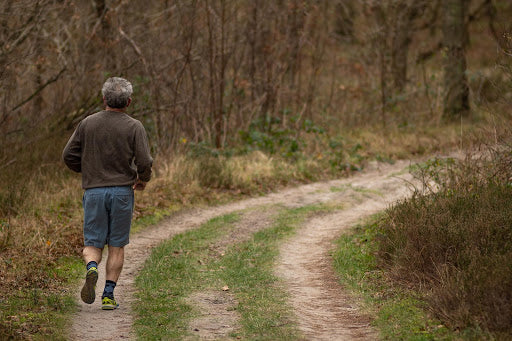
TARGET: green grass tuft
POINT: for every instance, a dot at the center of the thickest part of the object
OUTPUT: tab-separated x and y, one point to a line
42	314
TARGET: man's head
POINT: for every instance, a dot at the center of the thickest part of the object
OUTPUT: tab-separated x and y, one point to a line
117	92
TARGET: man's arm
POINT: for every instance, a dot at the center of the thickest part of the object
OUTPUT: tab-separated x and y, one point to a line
143	159
72	154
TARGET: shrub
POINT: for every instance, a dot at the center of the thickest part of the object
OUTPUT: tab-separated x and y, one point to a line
455	244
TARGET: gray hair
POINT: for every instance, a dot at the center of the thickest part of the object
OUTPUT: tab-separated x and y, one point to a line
117	91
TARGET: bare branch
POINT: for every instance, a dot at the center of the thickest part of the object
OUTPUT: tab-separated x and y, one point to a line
136	49
29	98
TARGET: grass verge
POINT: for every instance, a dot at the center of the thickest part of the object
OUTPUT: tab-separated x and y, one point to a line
190	263
248	270
400	314
42	314
170	274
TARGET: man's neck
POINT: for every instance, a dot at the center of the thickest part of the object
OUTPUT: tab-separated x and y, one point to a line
115	109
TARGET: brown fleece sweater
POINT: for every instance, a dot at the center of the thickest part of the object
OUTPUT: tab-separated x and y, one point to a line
110	148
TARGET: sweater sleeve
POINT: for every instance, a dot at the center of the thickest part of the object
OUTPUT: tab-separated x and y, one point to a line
143	159
72	154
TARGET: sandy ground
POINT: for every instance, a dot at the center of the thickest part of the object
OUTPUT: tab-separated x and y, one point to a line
323	310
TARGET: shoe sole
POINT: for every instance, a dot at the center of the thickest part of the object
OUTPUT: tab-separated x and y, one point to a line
88	291
109	307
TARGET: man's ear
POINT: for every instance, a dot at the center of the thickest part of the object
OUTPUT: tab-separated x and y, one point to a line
129	101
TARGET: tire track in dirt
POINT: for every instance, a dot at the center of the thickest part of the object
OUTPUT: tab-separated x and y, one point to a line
217	314
91	323
324	310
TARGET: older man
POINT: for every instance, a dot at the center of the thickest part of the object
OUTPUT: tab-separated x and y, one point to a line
111	151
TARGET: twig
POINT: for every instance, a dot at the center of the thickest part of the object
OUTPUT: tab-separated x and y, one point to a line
136	49
29	98
8	163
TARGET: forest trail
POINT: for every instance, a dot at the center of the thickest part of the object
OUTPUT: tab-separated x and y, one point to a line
322	308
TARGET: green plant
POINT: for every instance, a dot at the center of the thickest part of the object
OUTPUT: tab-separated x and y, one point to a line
270	135
343	158
436	171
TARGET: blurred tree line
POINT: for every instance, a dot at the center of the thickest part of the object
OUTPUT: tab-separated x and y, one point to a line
203	70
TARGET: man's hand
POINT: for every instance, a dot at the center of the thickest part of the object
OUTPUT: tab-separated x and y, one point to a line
139	185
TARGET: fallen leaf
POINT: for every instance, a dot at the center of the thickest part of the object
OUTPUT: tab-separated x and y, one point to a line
225	288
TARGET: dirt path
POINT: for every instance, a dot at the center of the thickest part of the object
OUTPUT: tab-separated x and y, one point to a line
324	311
217	314
91	323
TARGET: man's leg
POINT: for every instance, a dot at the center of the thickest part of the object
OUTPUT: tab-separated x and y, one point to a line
95	237
115	262
92	254
92	257
121	212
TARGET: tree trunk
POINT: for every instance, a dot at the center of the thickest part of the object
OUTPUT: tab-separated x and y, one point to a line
381	44
400	45
345	15
456	98
105	35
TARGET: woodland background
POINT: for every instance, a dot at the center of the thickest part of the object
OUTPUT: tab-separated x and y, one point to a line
238	97
205	71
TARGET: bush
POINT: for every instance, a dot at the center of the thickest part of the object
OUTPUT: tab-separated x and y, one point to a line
271	136
213	173
455	244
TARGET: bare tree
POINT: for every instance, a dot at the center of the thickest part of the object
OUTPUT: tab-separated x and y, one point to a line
344	19
455	36
404	14
205	69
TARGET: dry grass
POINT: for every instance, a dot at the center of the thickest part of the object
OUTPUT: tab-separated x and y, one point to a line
41	218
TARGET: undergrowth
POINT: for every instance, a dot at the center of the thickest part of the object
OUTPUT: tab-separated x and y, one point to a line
42	313
452	241
397	312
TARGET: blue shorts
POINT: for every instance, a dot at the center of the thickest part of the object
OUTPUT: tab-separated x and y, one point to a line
108	216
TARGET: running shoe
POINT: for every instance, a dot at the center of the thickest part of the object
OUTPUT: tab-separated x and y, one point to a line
88	291
108	303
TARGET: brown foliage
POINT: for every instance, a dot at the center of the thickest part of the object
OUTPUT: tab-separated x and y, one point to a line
454	245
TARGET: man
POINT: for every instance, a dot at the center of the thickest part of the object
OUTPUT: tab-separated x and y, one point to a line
111	151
